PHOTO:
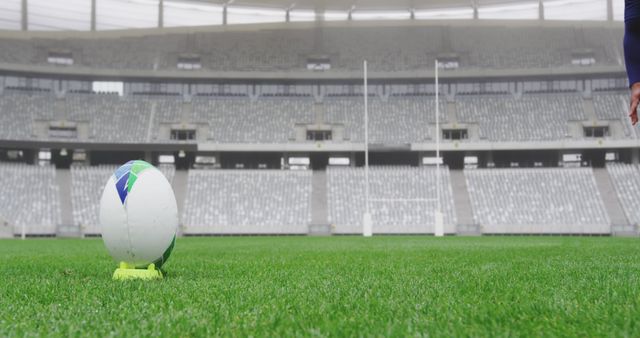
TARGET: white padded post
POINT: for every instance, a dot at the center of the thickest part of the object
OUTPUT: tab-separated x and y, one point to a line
367	225
439	224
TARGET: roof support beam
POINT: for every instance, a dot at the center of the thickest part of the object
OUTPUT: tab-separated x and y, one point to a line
224	14
93	15
161	14
474	5
25	16
541	10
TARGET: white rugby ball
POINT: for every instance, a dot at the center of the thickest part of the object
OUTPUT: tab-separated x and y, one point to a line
139	215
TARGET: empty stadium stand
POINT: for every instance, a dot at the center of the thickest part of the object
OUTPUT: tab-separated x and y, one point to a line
626	180
267	120
276	119
540	47
30	198
614	107
395	120
535	117
503	201
111	118
18	112
86	190
537	201
528	91
346	189
388	48
247	202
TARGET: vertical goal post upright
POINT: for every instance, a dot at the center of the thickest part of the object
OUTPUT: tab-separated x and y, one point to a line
439	218
367	221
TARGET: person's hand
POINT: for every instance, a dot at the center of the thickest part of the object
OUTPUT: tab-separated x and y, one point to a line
635	99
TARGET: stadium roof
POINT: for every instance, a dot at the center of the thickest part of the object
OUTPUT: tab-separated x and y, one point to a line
80	15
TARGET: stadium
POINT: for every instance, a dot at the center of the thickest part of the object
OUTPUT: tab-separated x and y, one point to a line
364	168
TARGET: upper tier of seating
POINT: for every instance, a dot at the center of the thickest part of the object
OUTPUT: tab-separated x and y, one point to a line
240	120
111	118
280	119
614	107
552	200
402	199
535	117
396	120
386	48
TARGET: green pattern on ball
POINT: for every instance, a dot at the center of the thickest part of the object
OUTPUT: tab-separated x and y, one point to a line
137	167
165	256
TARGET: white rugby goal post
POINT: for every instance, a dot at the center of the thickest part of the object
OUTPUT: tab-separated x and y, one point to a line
367	221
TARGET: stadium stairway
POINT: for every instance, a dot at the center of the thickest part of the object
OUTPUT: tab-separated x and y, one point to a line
589	109
60	109
452	115
179	185
462	204
319	204
152	116
67	228
319	112
611	201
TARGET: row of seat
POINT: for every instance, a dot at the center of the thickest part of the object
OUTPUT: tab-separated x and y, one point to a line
614	107
30	198
387	48
111	118
395	120
626	181
542	200
247	201
529	118
267	120
401	199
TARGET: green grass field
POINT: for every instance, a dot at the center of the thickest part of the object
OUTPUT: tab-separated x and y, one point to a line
333	286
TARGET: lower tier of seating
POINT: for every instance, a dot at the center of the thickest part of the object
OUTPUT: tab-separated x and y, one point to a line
30	198
247	202
401	199
552	200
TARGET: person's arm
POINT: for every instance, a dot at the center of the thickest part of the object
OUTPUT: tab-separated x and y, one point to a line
632	54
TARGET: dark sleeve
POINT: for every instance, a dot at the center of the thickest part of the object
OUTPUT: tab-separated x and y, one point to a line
632	40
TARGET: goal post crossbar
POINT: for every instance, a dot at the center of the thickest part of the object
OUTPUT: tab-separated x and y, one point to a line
403	200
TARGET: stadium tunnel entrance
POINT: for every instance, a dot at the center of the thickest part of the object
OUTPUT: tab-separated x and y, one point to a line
250	160
523	158
319	161
62	158
594	157
114	157
401	158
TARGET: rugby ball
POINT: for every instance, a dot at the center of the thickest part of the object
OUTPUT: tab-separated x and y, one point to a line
139	215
